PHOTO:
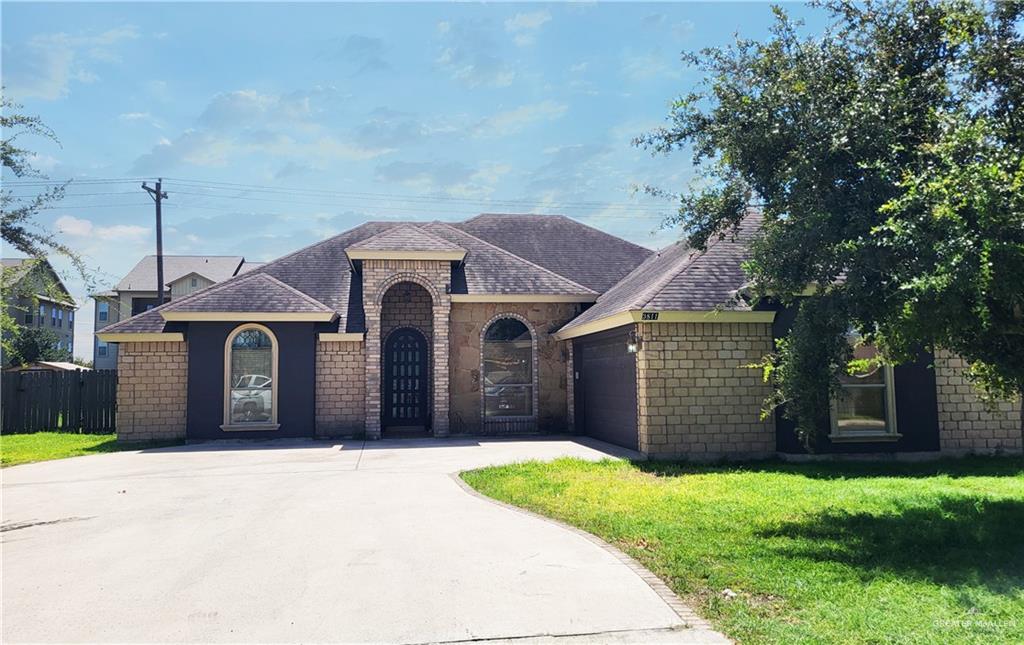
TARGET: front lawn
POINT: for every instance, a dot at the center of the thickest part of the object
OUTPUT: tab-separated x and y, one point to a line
902	553
42	446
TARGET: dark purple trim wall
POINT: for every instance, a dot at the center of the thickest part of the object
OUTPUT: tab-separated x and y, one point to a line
917	411
296	379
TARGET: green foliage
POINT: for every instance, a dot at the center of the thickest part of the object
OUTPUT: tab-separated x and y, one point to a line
814	553
17	226
887	158
33	344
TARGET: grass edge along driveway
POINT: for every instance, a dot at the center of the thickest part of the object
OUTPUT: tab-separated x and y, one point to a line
29	448
821	552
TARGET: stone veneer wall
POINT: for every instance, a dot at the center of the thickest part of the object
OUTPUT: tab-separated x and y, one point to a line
378	277
696	399
340	389
467	323
152	392
966	424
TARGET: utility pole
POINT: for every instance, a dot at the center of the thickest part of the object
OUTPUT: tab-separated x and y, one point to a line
157	194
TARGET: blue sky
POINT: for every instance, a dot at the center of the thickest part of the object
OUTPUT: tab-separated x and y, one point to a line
280	124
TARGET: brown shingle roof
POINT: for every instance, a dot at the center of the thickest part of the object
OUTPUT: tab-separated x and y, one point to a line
679	278
142	277
489	269
317	278
586	255
252	292
405	237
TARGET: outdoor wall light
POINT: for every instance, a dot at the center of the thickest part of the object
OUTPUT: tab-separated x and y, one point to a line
633	342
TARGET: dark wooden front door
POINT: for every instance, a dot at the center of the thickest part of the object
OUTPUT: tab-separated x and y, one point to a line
405	379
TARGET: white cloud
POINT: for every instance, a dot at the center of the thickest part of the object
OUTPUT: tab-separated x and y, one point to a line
140	117
524	26
650	65
79	227
579	68
450	178
282	127
468	55
512	121
47	64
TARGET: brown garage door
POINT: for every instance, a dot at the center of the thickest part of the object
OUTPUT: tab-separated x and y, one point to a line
606	388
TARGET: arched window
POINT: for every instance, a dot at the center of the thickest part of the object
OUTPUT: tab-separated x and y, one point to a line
508	369
250	378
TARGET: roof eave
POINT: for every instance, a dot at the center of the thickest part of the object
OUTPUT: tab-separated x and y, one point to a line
248	316
660	317
371	254
523	297
140	337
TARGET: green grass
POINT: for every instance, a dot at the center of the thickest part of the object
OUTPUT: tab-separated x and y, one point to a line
816	553
43	446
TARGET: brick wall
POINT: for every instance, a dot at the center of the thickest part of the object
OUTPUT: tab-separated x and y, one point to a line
467	322
152	391
340	389
378	277
696	400
966	424
407	305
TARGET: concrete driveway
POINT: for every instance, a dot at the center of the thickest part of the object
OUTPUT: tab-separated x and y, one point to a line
310	542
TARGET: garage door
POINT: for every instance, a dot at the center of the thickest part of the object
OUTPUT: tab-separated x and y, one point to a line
606	388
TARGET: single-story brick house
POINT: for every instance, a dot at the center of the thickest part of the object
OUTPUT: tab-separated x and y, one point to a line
507	324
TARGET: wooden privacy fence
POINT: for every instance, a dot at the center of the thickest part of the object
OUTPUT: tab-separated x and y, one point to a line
34	401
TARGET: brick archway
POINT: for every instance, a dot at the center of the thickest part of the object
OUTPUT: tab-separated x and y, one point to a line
379	278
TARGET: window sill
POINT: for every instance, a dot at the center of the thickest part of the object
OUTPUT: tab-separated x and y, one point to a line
247	427
865	437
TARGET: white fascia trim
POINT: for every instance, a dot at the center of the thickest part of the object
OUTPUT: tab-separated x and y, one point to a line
660	317
127	337
445	256
521	297
325	337
248	316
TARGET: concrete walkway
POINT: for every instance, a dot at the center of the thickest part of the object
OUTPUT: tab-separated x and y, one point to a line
309	542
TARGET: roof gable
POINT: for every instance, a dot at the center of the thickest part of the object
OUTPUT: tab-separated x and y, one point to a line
142	277
25	273
251	293
406	241
679	278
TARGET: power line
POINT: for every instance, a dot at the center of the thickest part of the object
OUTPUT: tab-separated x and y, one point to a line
73	182
213	185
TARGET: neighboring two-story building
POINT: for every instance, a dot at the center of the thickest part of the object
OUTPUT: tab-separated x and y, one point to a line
137	292
37	298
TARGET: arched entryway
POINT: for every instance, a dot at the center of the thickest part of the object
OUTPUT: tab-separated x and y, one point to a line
406	326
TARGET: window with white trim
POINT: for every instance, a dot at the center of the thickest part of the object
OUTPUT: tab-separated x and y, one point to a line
251	372
865	406
102	311
508	369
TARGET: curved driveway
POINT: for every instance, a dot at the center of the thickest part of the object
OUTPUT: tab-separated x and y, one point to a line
310	542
